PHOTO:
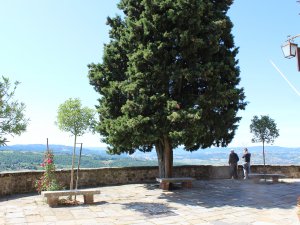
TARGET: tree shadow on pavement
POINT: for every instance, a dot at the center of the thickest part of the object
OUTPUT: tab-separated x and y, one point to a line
151	209
17	196
236	193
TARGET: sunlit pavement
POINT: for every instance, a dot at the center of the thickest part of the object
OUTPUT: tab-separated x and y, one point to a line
209	202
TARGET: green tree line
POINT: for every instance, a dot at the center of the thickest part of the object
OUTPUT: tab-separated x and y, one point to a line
20	160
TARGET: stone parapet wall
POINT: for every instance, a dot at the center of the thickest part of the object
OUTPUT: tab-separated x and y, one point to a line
23	182
290	171
18	182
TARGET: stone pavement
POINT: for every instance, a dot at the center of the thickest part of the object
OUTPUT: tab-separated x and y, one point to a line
209	202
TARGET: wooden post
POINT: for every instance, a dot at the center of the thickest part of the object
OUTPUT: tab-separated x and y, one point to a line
77	177
47	145
298	58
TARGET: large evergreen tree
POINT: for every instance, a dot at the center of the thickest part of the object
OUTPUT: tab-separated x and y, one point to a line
169	77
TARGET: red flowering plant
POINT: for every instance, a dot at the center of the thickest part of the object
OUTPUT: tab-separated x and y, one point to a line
48	181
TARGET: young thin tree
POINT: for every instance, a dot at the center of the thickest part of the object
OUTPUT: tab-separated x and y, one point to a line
169	77
264	129
77	120
12	117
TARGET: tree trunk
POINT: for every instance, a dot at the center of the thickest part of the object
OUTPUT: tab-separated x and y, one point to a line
160	157
264	160
264	156
164	153
168	152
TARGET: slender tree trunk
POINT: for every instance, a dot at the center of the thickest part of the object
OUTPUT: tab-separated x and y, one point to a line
264	160
264	156
73	159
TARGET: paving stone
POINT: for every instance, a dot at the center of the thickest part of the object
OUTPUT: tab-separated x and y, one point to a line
142	222
49	218
41	223
64	216
34	219
70	222
198	221
14	215
16	220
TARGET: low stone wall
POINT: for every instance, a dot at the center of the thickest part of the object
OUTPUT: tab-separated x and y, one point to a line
23	182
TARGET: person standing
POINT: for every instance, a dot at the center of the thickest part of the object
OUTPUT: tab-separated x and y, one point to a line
246	165
233	163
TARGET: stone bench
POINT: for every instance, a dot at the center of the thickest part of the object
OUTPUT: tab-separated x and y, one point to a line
186	182
53	196
257	176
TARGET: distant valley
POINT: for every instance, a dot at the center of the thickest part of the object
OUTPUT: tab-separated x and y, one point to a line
29	157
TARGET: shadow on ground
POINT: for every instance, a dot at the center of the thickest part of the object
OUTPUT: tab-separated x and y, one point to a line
17	196
151	209
236	193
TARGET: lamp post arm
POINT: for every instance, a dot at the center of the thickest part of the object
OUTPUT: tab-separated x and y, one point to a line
292	38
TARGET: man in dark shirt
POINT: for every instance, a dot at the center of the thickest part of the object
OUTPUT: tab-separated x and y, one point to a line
233	163
246	165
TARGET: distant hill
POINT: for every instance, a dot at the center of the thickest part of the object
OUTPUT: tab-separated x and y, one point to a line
30	157
275	155
212	156
55	148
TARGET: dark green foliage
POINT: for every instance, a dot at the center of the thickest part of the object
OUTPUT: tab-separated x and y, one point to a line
169	70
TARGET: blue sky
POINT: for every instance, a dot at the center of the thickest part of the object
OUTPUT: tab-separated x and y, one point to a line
47	45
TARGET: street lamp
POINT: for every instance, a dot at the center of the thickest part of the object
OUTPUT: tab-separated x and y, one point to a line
290	50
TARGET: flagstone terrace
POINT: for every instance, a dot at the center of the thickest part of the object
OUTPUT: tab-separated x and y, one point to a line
209	202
